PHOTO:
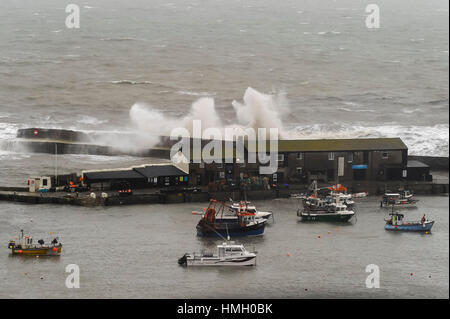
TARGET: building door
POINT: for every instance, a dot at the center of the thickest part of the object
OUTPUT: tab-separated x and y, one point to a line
359	174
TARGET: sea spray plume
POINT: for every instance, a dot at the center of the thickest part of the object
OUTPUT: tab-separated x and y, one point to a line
148	120
260	110
204	110
149	123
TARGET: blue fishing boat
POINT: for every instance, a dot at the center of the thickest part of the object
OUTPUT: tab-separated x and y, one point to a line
213	224
396	223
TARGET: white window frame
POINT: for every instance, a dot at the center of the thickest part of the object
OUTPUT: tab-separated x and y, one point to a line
331	156
385	157
299	156
299	170
280	158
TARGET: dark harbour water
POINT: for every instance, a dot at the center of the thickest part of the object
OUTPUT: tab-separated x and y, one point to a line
132	252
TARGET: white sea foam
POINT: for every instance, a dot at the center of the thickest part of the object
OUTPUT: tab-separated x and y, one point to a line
196	93
421	140
7	131
130	82
86	119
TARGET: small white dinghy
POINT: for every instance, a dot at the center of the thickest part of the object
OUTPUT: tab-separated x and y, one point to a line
227	254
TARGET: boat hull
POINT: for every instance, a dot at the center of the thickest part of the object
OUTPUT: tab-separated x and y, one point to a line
411	227
211	261
325	217
46	251
398	205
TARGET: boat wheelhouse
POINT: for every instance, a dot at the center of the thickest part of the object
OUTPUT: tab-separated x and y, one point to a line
245	206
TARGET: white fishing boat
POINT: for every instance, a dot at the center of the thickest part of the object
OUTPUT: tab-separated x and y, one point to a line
334	213
227	254
402	199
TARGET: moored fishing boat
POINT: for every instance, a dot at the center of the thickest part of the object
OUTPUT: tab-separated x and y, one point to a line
403	199
335	213
227	254
212	223
25	246
396	223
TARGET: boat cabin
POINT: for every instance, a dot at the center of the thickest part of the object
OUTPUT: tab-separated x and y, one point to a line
226	249
338	208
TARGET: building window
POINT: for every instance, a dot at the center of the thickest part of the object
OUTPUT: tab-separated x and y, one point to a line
299	170
222	174
220	165
385	155
201	165
331	156
299	156
280	157
350	157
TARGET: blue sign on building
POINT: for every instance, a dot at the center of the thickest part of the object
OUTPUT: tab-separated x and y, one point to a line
359	166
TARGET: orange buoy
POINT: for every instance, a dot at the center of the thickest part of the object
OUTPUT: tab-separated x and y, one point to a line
318	236
54	248
411	274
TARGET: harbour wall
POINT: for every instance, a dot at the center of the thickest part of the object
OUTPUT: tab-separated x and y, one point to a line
84	199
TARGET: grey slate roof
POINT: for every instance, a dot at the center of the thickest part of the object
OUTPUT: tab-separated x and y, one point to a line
159	170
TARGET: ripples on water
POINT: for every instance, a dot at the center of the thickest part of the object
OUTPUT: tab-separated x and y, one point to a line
132	252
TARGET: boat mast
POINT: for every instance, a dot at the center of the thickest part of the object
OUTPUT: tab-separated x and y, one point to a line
56	164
